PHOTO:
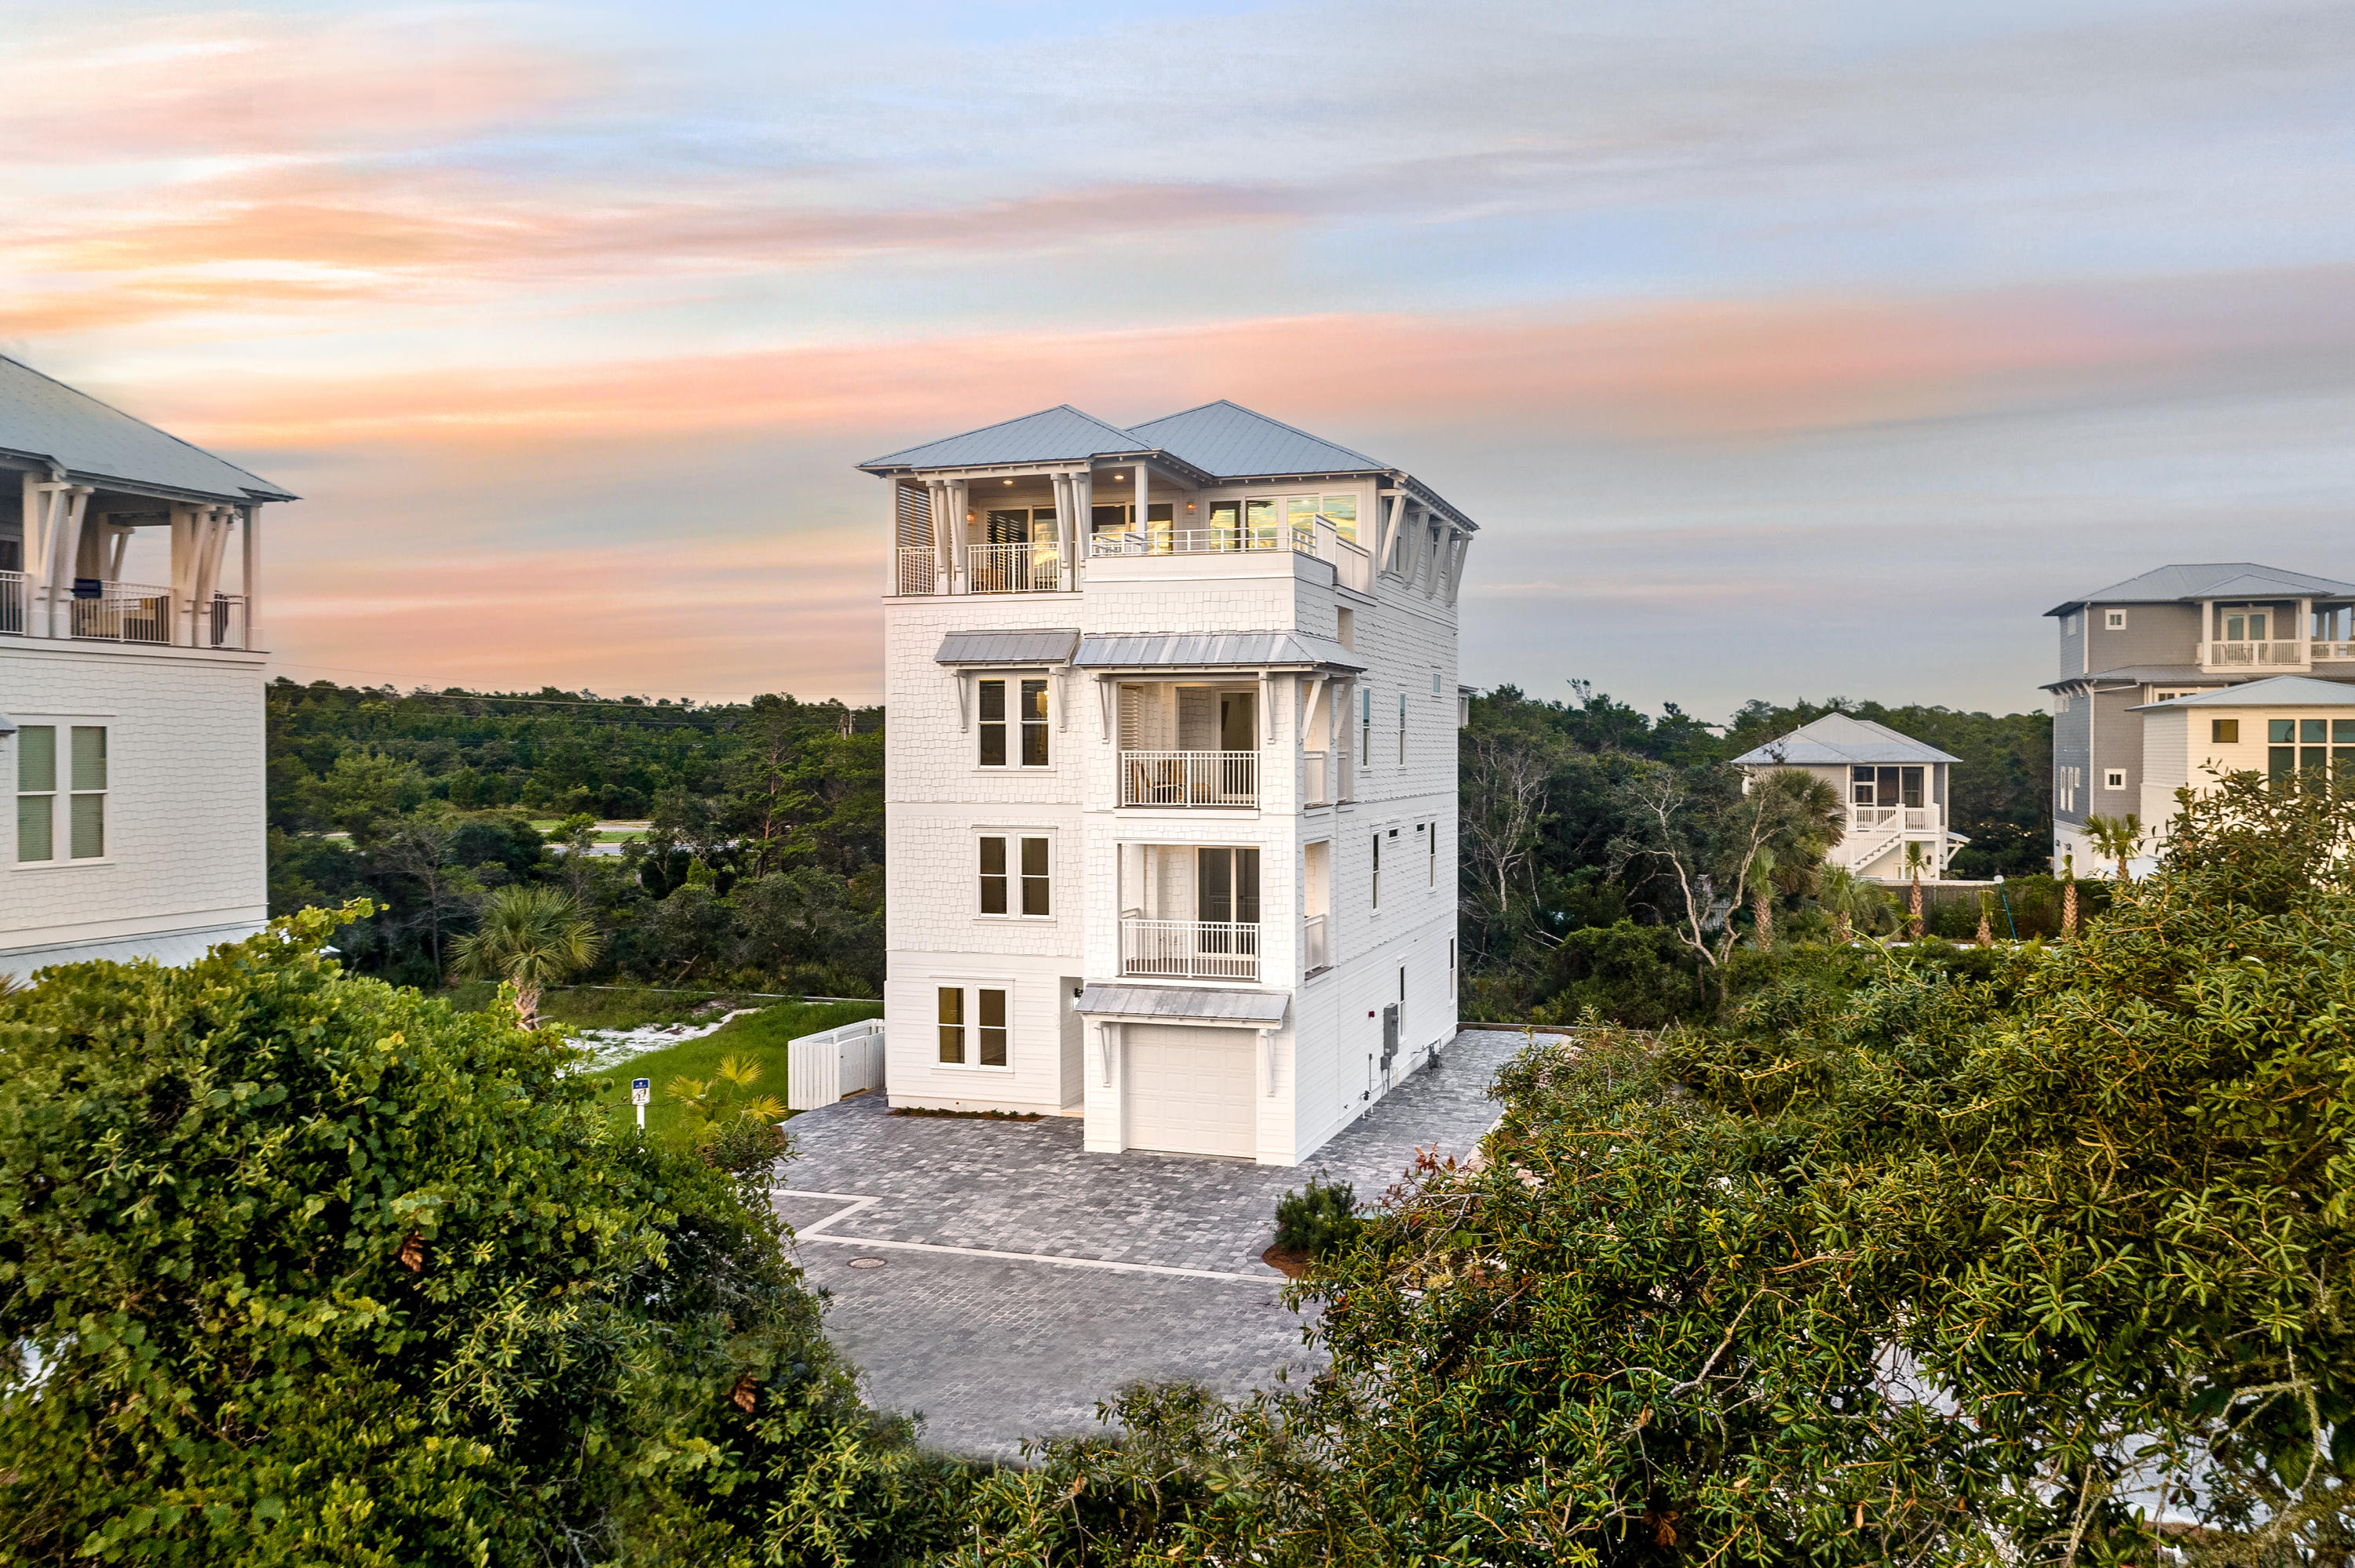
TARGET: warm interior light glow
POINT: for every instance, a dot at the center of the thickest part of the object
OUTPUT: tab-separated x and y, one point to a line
1009	482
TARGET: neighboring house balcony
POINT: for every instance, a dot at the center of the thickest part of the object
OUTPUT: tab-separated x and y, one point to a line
2274	656
100	611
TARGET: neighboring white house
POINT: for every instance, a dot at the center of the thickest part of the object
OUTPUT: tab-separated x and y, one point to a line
2287	728
1895	789
130	711
1170	779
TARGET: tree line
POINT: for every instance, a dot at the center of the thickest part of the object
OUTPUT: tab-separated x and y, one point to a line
760	866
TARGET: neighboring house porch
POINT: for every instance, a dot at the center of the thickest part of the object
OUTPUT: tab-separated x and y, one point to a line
1895	789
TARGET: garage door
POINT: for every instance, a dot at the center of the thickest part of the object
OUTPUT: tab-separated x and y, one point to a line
1190	1090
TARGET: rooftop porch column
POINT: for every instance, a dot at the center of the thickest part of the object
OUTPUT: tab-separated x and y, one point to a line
1083	500
249	574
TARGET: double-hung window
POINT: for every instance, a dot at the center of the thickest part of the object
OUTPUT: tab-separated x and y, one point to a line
1366	724
43	806
1431	849
983	1042
1019	733
1402	729
1008	861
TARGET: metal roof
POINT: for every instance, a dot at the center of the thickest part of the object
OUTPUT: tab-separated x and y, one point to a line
1052	646
95	444
2211	580
1233	442
2276	691
1838	738
1060	434
1260	1009
1212	650
2168	675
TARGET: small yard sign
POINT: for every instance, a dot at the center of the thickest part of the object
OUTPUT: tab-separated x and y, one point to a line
641	1091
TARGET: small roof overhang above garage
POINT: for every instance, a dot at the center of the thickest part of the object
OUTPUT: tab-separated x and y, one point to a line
1182	1004
1215	651
1026	650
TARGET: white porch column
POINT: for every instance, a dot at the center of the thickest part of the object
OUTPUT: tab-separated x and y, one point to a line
1144	482
1062	484
957	504
2207	635
1083	501
2305	632
61	536
249	578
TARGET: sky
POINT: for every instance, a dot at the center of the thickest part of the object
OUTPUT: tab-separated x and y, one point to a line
1781	350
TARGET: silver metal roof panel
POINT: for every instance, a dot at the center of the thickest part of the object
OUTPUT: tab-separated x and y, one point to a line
1212	650
1257	1009
1052	646
97	444
2276	692
2211	580
1233	442
1838	738
1060	434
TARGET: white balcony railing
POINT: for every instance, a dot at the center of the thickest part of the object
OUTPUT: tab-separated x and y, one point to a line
1313	954
1190	950
1206	541
1013	568
1189	778
2334	650
12	604
916	571
227	627
124	612
2230	656
1864	820
1316	778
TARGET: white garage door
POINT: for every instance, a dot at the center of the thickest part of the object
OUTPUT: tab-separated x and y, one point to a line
1190	1090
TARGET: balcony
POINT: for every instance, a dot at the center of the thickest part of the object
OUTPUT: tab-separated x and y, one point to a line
12	604
1189	778
2285	652
1013	568
1190	950
2333	651
124	612
1865	820
1353	566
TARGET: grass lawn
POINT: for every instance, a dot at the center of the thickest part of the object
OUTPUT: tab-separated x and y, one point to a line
761	1036
611	1007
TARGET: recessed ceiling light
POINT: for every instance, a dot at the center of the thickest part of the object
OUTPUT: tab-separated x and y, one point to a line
1009	482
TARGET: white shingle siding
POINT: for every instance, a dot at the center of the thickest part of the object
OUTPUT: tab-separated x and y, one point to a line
940	801
185	839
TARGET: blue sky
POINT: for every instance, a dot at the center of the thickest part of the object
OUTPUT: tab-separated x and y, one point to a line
1782	350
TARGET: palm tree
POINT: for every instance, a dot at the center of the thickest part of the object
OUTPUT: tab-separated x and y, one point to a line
1840	895
2068	895
1914	862
1987	917
2117	837
531	936
1761	898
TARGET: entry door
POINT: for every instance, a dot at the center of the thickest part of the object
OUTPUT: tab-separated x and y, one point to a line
1189	1090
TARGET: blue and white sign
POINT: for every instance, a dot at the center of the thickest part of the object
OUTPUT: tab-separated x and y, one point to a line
641	1090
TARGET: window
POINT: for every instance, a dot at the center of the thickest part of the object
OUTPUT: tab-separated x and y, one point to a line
1376	902
1885	787
1345	627
2114	620
989	1026
2070	778
2224	732
1301	512
40	809
1366	726
2245	626
1402	729
1030	716
2068	625
1451	967
1432	850
1434	683
2342	752
952	1024
998	875
993	1028
2114	779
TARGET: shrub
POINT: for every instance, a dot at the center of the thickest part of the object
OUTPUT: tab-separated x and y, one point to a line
1318	1222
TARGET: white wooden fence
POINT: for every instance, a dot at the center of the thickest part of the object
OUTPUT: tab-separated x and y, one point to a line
822	1068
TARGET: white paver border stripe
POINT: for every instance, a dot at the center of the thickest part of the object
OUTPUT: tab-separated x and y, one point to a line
852	1202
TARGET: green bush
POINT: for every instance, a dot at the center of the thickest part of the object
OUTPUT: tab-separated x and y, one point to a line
1318	1222
301	1267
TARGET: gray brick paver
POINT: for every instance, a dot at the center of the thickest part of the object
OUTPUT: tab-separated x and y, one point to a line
992	1350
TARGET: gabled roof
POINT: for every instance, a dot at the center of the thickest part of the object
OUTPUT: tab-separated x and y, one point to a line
2279	691
1233	442
1838	738
1060	434
2212	580
94	443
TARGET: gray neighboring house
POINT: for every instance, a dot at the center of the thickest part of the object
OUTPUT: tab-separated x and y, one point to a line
2174	632
1895	788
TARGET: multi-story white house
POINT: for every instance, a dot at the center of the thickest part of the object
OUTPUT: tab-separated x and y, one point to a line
1895	789
1171	778
131	713
2173	632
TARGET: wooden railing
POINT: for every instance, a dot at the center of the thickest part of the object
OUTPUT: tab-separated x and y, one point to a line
1190	950
1189	778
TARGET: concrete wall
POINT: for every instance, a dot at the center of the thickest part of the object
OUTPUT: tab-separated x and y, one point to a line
185	863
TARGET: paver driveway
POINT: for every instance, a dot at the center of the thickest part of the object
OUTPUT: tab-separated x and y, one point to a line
1022	1280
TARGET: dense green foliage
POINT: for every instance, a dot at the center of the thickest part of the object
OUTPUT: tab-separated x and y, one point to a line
1318	1221
1898	1264
1612	861
296	1266
761	867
